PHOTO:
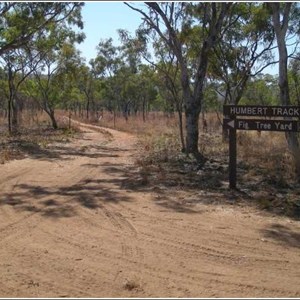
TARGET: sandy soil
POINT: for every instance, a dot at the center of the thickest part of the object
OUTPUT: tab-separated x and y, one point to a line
76	221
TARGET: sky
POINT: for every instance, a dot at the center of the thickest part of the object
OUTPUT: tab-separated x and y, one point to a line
102	20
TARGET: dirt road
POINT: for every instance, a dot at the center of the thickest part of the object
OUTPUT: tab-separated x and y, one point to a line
76	221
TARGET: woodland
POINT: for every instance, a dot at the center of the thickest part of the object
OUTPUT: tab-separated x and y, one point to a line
114	172
185	59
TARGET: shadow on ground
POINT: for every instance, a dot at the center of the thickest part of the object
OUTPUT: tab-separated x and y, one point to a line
64	201
282	235
167	180
66	152
208	185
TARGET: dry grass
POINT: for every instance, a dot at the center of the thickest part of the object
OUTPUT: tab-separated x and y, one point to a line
33	135
266	154
266	174
156	122
263	154
265	166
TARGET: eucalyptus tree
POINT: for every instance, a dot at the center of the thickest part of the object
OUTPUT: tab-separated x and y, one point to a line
50	84
127	81
294	79
86	84
127	75
285	20
169	86
68	77
22	22
140	81
147	87
175	23
105	66
130	50
165	63
168	73
261	90
56	49
4	92
244	51
18	64
26	29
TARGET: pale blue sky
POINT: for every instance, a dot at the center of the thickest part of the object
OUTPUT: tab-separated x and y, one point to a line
102	20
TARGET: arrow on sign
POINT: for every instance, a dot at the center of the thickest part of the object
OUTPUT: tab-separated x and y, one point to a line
229	123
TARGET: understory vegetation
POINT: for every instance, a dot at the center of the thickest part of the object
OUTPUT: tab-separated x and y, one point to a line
167	84
266	171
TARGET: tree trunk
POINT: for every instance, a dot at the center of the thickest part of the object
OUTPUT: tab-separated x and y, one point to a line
192	131
87	108
193	105
291	137
280	31
9	114
144	112
294	147
52	118
181	131
14	111
192	112
12	120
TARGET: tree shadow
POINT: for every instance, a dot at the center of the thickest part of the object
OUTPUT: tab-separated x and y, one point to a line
204	185
35	151
208	185
172	204
163	187
165	181
65	152
58	202
282	234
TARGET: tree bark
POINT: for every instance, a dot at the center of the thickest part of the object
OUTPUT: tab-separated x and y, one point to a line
144	110
51	114
193	97
14	119
87	108
280	31
9	115
192	113
183	149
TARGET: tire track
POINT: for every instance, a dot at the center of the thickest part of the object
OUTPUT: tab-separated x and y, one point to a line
167	274
152	236
92	252
19	227
219	239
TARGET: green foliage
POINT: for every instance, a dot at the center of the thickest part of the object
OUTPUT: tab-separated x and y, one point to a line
294	80
262	91
23	22
39	38
211	102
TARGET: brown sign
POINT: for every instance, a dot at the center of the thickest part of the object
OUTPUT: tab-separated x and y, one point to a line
261	111
262	125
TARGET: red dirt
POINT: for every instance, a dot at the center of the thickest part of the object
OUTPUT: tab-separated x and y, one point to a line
74	222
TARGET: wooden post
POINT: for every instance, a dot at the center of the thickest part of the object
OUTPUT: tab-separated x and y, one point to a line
232	158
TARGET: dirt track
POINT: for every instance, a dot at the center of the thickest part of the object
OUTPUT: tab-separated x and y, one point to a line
77	222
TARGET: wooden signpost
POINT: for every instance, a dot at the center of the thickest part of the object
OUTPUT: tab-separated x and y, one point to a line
261	111
261	125
288	122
